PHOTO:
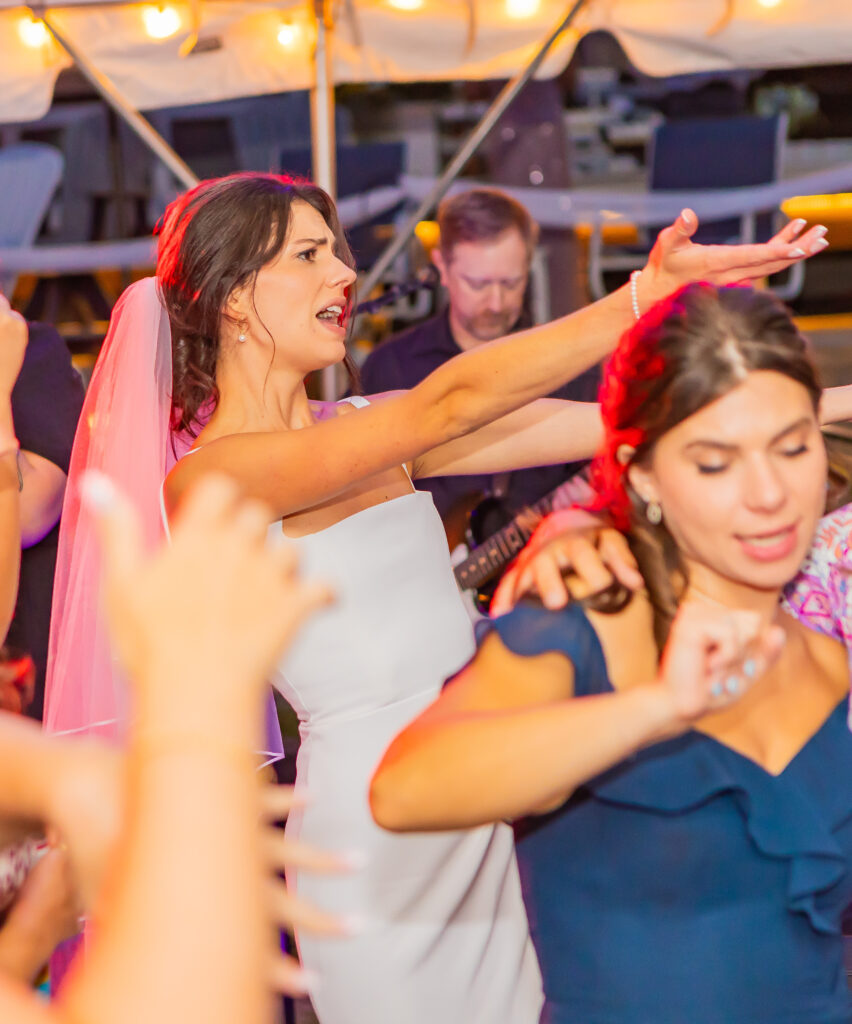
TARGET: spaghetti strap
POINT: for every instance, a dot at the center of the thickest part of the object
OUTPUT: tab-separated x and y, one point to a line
359	401
163	516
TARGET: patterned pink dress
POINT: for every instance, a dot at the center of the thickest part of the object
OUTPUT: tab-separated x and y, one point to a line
821	594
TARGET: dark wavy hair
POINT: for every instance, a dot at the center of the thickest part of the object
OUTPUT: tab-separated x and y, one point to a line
214	239
682	355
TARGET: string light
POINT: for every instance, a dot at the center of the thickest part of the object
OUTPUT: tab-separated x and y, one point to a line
160	22
522	8
406	5
33	32
289	34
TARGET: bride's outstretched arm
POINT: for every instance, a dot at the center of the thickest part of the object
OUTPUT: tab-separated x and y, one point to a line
295	469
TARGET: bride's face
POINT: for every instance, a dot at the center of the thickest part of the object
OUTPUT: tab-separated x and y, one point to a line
299	299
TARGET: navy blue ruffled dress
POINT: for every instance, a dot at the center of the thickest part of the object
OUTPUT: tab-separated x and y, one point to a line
687	885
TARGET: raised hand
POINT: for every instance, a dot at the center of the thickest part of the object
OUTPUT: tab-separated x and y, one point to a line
13	344
570	541
288	911
676	260
44	914
713	656
218	604
87	811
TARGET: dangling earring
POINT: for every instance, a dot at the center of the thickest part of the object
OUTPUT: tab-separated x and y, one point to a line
654	513
242	335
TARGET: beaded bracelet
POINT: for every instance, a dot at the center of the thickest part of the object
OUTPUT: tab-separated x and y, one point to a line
634	295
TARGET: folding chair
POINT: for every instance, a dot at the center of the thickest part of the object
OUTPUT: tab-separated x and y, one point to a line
708	153
29	175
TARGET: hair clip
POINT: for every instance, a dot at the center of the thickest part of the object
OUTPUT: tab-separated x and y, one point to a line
624	453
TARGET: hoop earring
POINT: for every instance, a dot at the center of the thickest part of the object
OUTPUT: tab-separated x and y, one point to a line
654	513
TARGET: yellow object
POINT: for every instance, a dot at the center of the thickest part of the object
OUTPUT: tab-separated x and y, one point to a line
428	234
825	322
33	32
161	22
835	211
620	233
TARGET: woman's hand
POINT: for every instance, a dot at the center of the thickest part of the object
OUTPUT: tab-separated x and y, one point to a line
44	914
713	656
87	811
218	603
288	911
571	541
676	260
13	344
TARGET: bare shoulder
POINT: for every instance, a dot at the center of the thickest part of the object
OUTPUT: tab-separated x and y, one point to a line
627	640
500	679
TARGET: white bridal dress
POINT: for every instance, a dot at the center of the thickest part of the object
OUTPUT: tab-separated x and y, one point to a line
443	936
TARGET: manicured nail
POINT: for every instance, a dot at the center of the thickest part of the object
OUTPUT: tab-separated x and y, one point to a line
820	230
97	491
798	224
798	253
819	245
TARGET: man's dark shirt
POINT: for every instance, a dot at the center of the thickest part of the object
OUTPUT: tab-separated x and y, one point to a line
46	403
402	362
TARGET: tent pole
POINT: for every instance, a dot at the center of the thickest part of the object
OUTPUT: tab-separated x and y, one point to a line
322	102
125	110
457	164
323	144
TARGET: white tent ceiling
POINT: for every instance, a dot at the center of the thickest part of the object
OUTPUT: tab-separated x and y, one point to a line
239	53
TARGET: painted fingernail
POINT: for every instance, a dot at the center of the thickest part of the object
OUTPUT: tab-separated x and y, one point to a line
750	668
97	491
798	253
716	690
798	224
732	684
819	245
820	230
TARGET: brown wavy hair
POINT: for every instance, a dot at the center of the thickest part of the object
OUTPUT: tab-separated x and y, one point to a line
214	239
682	355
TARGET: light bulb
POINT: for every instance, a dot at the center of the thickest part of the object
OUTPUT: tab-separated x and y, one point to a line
522	8
160	22
406	5
33	32
289	34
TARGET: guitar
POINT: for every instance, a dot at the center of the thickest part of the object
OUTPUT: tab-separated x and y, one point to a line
484	563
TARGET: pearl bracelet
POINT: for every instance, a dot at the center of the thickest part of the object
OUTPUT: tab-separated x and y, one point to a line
634	295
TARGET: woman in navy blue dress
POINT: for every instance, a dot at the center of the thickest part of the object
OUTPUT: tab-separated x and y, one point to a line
678	761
